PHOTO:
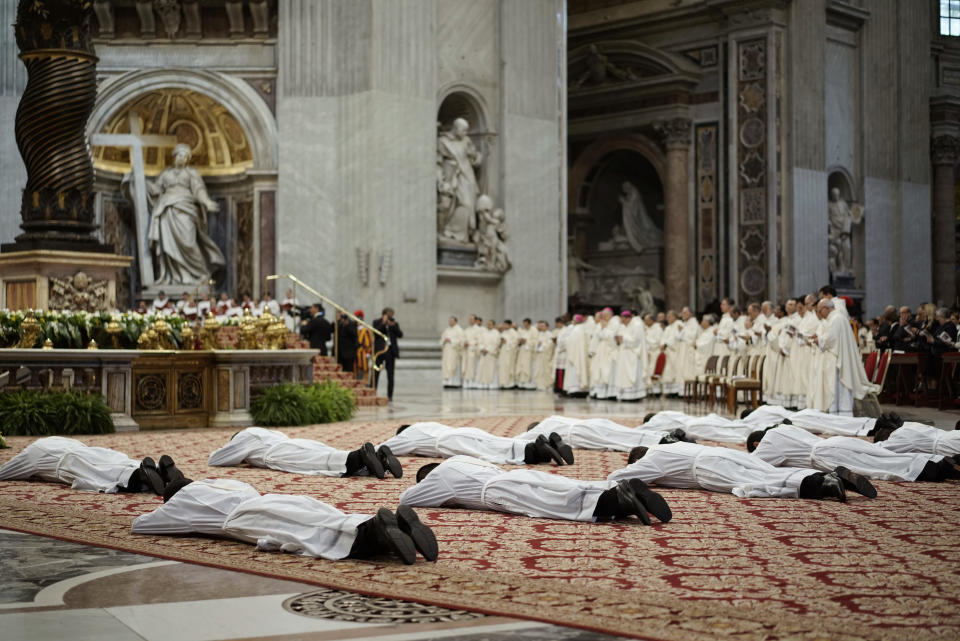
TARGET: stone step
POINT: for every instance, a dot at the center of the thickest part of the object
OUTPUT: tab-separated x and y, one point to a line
420	353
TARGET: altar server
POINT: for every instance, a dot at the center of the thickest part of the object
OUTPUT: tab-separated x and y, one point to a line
467	482
602	433
796	447
287	523
452	343
275	450
93	469
722	469
443	441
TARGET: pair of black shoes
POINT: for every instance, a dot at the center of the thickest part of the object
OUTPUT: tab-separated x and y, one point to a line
676	436
546	449
885	425
401	535
153	477
827	485
631	498
377	461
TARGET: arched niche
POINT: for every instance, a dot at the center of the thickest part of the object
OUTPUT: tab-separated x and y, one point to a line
839	177
613	267
461	101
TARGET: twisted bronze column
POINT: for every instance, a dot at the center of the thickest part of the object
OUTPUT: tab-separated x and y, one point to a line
55	46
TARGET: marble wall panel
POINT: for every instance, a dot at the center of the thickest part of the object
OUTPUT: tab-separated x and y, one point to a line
468	45
531	32
880	201
842	79
809	231
461	298
915	273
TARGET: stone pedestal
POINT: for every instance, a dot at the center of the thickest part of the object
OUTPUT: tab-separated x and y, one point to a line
52	279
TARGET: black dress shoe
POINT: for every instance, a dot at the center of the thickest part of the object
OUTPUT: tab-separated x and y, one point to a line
546	452
168	470
566	452
629	504
390	539
833	487
151	476
421	535
856	482
389	461
371	461
652	501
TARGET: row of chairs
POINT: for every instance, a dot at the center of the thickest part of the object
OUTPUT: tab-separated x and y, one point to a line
725	378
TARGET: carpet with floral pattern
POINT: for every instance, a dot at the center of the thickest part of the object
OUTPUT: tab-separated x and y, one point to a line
751	569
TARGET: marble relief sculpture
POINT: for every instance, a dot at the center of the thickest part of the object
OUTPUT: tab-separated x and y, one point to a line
182	250
457	187
842	217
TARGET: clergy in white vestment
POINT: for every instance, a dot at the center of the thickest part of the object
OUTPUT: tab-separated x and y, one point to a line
791	446
526	350
92	469
451	342
671	381
471	351
489	344
653	333
576	375
543	356
437	440
811	420
920	438
705	345
600	434
687	345
561	332
725	331
507	358
842	377
275	450
711	427
631	376
802	358
722	469
287	523
603	356
467	482
776	366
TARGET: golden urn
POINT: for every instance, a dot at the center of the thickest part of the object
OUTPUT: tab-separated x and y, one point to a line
29	330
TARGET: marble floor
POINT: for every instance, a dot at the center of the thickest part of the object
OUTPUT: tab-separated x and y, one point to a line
51	589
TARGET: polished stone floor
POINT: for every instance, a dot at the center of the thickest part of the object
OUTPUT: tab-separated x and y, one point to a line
51	590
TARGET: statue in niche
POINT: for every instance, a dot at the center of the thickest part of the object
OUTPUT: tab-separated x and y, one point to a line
600	70
491	237
182	250
457	188
842	217
639	230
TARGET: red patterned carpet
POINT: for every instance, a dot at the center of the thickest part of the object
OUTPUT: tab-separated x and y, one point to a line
741	569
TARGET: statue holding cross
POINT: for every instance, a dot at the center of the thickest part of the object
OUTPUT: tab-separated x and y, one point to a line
173	232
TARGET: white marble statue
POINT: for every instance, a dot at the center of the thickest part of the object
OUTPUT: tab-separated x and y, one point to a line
184	253
639	230
457	188
842	218
491	236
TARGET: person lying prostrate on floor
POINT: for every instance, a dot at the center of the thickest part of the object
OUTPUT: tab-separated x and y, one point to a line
811	420
286	523
442	441
721	469
94	469
701	428
919	438
275	450
467	482
793	446
601	434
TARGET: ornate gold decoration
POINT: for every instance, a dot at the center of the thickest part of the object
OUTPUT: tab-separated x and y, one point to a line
48	344
190	390
114	330
29	330
186	337
150	392
248	331
92	344
78	292
208	334
276	334
218	143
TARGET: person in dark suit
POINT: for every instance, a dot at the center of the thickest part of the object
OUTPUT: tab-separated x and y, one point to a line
346	331
316	329
386	324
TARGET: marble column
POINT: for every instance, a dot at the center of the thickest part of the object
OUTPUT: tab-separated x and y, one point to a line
676	232
944	151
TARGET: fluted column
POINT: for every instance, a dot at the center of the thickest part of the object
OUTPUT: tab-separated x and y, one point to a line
676	266
57	206
944	150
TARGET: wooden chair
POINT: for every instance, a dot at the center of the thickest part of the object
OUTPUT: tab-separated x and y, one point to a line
714	382
690	384
948	370
658	369
870	364
752	384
